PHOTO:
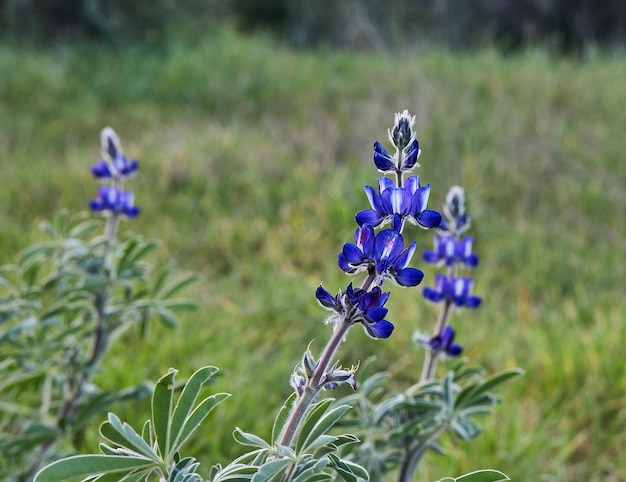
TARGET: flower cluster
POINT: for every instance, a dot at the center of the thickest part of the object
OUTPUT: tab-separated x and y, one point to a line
113	168
383	255
451	250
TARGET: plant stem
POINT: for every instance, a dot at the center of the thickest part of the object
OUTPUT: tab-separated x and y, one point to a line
430	361
314	386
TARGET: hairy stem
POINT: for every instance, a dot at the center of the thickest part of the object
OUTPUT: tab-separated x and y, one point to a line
314	386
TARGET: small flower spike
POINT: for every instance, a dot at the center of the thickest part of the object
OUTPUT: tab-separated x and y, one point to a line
449	249
444	342
455	290
455	218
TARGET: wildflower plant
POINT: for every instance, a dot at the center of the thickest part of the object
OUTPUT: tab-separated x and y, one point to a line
62	304
306	445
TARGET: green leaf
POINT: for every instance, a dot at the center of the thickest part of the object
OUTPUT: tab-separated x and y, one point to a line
85	465
162	410
281	418
324	425
249	439
470	395
271	469
483	476
131	439
179	285
186	401
197	417
312	417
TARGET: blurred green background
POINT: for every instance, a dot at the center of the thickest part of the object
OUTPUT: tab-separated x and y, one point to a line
254	124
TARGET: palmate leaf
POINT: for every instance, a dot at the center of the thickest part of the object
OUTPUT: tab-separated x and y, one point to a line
86	465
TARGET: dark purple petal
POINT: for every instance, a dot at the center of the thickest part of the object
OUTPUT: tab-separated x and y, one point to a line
374	315
409	277
430	257
388	245
131	211
381	329
382	159
101	169
368	216
396	222
432	295
412	183
344	265
372	197
352	254
473	302
404	259
325	298
364	238
429	218
454	349
413	151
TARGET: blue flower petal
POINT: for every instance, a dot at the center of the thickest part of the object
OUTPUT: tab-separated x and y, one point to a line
454	349
409	277
381	329
368	216
352	254
374	315
344	265
432	295
325	298
429	218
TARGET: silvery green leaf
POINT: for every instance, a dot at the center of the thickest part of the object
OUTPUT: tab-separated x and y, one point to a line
487	475
281	418
162	410
250	440
86	465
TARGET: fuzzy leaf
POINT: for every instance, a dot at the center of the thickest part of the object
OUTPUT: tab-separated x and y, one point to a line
281	418
324	425
250	440
312	417
85	465
186	401
196	417
270	470
129	438
162	410
483	476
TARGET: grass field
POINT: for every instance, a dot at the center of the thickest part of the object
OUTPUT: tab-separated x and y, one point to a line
252	161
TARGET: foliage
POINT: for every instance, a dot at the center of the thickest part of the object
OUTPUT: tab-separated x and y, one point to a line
155	449
534	137
62	304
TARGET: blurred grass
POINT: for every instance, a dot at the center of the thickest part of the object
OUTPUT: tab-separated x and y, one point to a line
252	159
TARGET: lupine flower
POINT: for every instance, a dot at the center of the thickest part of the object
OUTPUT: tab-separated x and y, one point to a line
444	342
381	254
395	204
120	167
455	290
451	250
400	161
114	200
359	306
455	218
